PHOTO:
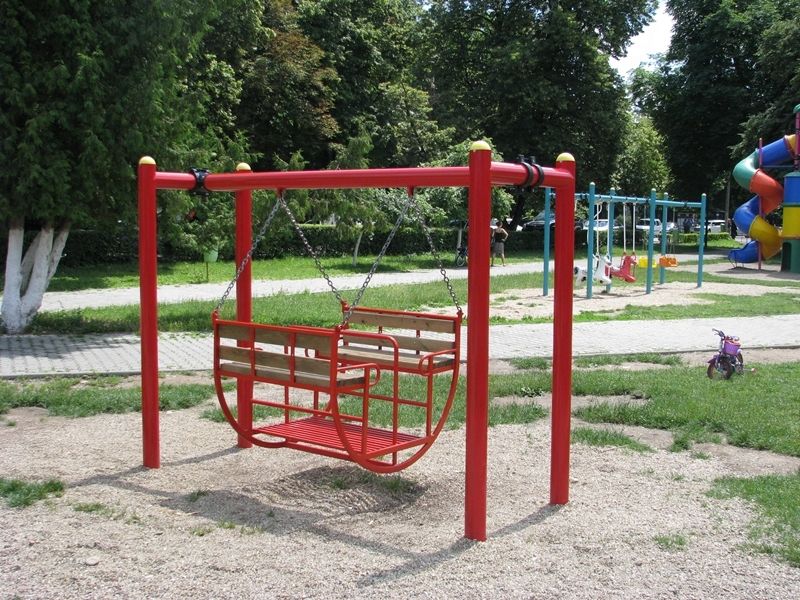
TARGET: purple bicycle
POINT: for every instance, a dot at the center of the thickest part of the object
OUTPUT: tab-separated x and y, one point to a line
727	359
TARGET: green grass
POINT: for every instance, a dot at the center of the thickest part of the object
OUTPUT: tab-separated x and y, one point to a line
673	541
75	397
21	493
602	360
541	364
322	309
126	275
777	498
760	410
605	437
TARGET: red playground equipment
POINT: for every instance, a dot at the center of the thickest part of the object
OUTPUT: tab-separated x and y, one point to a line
626	269
340	369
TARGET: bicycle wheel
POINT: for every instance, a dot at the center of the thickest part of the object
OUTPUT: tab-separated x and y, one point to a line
739	363
721	369
461	259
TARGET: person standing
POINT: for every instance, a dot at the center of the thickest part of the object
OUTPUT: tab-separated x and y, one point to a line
499	242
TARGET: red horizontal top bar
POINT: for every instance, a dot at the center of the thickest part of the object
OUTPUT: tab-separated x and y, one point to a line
501	174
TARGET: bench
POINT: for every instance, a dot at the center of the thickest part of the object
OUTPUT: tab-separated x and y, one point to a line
418	343
285	356
308	358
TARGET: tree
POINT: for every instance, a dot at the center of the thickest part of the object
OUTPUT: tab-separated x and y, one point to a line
287	94
88	87
367	45
705	88
642	165
533	75
777	78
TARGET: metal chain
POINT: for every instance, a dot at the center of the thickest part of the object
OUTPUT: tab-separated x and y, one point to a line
309	249
435	252
248	256
374	267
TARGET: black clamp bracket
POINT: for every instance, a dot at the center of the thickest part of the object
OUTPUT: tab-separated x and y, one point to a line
535	173
199	188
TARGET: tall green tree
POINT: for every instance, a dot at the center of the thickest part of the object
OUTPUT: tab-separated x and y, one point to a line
642	165
533	75
776	79
287	87
368	44
88	87
725	65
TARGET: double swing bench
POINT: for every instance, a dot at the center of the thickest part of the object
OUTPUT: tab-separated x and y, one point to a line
324	386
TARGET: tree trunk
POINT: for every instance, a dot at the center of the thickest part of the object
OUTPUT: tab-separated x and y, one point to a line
29	274
355	250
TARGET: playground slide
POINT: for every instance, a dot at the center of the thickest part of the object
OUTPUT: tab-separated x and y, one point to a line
747	217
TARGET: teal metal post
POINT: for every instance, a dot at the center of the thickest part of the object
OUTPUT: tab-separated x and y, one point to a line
662	272
702	240
590	244
650	241
546	266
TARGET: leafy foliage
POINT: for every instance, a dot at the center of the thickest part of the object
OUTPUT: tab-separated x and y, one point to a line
642	165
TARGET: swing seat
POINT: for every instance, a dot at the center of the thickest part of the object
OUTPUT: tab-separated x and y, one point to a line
668	261
303	369
626	269
432	347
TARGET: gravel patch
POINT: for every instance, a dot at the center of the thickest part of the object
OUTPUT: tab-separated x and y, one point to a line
218	522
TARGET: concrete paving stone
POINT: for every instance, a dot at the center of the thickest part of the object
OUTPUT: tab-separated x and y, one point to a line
40	355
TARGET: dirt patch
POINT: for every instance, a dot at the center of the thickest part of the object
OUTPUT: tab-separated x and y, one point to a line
546	400
218	522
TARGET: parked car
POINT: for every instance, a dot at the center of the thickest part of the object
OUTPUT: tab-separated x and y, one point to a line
537	223
643	225
601	225
713	226
716	226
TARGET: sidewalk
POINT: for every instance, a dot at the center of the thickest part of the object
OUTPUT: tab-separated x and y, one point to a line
168	294
28	355
40	355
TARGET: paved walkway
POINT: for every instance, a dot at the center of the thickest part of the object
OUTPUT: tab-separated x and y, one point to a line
55	301
29	355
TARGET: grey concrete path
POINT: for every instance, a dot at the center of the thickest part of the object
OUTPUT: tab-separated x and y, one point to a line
27	355
55	301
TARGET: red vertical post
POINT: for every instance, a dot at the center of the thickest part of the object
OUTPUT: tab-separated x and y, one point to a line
562	333
244	298
479	211
148	310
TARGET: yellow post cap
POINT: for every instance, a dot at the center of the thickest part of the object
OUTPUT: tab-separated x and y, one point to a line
147	160
565	157
479	145
243	166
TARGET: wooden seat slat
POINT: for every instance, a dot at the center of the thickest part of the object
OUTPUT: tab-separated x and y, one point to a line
401	321
281	337
275	359
285	376
406	342
385	358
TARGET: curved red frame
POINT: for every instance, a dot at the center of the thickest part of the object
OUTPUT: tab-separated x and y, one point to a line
480	176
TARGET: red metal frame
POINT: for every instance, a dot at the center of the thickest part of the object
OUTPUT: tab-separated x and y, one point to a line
480	176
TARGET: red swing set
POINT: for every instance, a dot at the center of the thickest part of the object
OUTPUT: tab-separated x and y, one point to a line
340	362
